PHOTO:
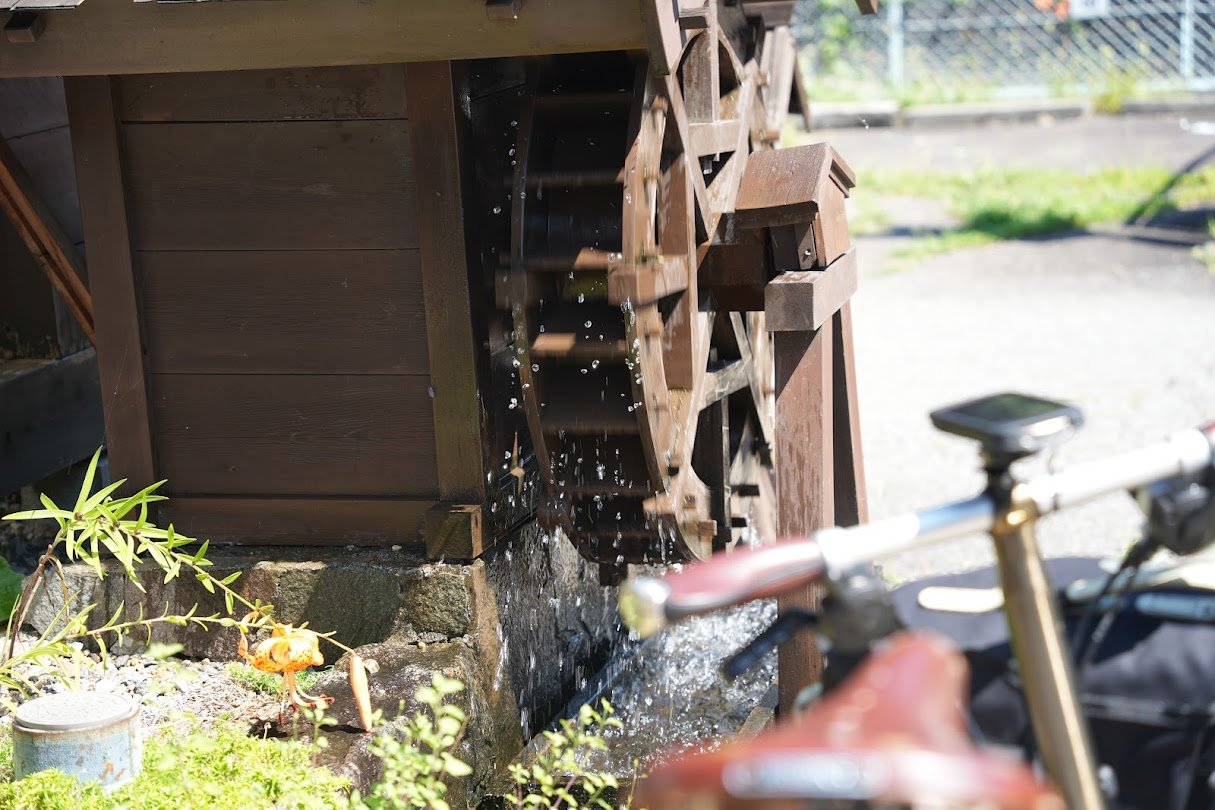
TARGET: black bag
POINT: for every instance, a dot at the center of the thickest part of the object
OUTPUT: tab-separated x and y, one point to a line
1148	693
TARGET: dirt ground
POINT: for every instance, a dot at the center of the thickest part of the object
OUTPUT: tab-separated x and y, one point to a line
1120	322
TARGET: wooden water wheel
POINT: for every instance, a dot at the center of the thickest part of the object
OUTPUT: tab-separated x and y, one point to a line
646	386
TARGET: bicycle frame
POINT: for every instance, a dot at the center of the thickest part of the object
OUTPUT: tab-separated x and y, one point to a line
1008	510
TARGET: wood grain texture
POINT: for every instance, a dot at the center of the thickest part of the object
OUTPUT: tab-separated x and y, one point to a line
285	312
787	186
118	37
50	416
103	206
324	93
805	300
300	521
294	434
805	490
451	315
271	186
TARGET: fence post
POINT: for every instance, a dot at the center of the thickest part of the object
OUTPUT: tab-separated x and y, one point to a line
894	42
1187	39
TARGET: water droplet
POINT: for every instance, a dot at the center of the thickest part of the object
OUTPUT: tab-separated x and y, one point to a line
497	209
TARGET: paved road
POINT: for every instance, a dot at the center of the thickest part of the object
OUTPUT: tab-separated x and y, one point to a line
1121	326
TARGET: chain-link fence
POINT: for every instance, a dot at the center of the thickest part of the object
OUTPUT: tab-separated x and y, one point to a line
955	49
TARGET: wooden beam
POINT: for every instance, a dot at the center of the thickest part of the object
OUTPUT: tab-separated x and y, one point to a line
48	244
805	300
439	159
805	489
103	208
299	521
121	37
664	38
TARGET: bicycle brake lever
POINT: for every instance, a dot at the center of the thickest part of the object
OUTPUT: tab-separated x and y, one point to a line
781	630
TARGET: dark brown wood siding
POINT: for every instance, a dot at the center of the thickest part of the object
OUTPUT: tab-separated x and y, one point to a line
274	235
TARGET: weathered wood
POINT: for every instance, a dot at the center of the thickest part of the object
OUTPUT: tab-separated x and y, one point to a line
324	93
805	300
284	312
47	243
772	12
451	313
294	434
50	416
787	186
851	495
456	532
664	38
780	79
300	521
804	480
120	37
25	26
103	206
295	185
702	72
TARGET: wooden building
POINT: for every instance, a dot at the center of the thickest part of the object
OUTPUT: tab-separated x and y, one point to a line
401	272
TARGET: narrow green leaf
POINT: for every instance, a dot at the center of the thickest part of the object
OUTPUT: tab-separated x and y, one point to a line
86	486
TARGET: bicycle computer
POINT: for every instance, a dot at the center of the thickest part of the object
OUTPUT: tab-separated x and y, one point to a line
1010	424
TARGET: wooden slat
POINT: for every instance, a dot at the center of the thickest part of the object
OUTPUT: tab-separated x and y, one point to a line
451	313
119	37
294	434
299	521
788	186
327	93
320	312
47	243
271	186
663	36
103	208
50	416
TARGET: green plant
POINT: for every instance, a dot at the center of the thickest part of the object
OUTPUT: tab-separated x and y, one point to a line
10	587
417	760
558	777
100	523
265	683
221	767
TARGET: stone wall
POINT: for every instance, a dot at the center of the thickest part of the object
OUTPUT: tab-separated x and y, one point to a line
523	628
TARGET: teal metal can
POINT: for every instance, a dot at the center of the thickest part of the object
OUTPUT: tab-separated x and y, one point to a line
90	735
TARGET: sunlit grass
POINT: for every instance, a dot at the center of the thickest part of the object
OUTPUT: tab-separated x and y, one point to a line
995	204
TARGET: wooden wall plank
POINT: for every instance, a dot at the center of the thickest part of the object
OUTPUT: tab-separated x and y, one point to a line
255	312
120	37
294	434
103	205
298	522
451	315
325	93
271	186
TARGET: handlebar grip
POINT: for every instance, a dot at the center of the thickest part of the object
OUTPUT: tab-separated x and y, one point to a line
647	604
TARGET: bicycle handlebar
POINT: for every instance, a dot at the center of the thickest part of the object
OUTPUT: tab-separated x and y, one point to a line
647	604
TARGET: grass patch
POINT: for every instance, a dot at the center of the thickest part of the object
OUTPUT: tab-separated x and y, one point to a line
221	768
997	204
266	683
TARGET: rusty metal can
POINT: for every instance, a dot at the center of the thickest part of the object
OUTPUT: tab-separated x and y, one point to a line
90	735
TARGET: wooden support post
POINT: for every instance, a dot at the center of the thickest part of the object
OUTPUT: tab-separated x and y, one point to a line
93	118
47	243
437	133
851	498
805	489
819	476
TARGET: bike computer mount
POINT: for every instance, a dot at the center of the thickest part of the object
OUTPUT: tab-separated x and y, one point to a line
1010	426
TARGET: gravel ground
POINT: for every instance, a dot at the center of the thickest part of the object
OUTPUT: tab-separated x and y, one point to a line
1121	326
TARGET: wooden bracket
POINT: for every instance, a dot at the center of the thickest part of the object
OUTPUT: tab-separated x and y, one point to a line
805	300
24	26
455	532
